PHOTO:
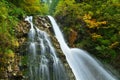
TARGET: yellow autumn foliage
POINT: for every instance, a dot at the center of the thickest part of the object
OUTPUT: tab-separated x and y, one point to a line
15	43
87	17
95	36
114	45
92	23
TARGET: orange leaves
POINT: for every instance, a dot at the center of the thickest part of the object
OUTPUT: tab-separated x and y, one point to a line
72	37
92	23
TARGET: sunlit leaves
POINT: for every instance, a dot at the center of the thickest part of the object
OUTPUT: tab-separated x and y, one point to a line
30	6
3	11
114	45
95	36
44	9
9	53
64	6
92	23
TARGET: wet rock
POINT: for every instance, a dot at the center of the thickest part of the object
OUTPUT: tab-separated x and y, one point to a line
41	22
22	30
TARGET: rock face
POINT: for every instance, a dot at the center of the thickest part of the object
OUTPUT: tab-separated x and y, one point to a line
42	23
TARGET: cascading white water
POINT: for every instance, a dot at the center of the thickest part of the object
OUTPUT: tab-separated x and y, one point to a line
43	62
82	64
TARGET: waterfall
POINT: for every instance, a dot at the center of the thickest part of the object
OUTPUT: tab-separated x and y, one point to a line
82	64
43	62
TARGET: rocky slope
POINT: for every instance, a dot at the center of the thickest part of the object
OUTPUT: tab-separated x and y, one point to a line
22	30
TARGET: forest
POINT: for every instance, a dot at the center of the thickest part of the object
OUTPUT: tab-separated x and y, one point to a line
91	25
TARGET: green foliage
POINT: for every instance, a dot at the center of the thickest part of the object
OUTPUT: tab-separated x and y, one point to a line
69	10
9	15
31	6
44	10
96	22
